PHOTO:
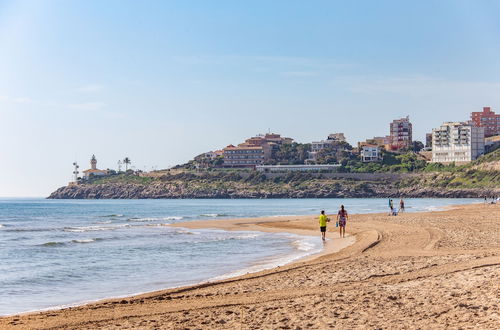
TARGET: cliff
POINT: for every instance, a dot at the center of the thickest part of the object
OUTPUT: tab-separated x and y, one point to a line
236	184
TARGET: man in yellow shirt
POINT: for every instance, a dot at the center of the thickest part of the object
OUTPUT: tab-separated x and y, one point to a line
322	224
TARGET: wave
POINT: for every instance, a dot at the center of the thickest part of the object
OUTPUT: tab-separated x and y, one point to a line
186	232
302	245
53	244
92	228
247	236
306	249
112	216
21	230
103	222
90	240
213	215
154	219
1	226
226	238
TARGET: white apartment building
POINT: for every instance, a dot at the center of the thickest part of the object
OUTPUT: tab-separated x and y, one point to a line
457	142
370	153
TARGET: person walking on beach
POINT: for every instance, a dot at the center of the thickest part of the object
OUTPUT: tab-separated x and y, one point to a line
401	205
391	207
323	219
342	217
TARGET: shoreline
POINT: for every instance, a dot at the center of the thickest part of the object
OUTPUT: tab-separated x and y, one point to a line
251	224
371	232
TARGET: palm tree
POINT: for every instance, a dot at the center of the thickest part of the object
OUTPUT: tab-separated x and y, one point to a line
126	161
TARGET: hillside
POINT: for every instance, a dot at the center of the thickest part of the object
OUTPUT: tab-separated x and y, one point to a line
477	179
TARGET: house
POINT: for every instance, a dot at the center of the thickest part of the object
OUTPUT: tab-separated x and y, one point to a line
370	153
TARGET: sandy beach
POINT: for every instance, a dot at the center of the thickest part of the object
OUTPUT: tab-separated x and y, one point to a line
431	270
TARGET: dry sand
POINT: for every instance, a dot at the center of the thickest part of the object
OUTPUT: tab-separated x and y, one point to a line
431	270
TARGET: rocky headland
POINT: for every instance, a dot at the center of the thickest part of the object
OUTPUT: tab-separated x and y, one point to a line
256	185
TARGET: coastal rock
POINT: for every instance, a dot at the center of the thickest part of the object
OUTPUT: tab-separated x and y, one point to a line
170	190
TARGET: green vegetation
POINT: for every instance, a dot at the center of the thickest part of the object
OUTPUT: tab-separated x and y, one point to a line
230	182
122	178
290	154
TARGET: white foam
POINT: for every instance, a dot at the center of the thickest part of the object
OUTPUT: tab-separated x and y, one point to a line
93	228
84	240
154	219
303	245
247	236
304	248
187	232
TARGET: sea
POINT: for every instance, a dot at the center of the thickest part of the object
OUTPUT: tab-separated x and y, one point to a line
59	253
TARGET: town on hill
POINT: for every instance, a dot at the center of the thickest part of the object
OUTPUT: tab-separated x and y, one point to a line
267	165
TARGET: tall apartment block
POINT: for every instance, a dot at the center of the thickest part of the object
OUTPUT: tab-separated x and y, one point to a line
487	119
457	142
401	134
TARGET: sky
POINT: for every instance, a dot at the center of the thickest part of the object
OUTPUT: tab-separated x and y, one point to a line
162	81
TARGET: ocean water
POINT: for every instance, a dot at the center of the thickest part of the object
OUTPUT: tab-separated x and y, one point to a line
56	253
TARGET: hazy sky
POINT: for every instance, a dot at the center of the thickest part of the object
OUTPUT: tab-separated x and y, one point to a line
162	81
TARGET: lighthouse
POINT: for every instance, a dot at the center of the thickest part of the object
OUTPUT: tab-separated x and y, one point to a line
93	170
93	163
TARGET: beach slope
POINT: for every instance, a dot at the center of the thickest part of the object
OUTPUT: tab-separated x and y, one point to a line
417	270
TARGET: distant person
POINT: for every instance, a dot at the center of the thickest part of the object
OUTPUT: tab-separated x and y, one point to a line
401	205
323	219
342	217
391	207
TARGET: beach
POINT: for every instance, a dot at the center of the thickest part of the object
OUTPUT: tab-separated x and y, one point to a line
424	270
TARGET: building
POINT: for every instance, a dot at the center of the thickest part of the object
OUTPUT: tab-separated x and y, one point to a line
295	168
458	142
370	153
338	137
428	140
211	155
93	171
487	119
246	155
317	146
492	143
379	141
400	134
254	151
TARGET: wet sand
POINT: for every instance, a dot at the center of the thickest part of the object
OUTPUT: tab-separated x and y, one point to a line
431	270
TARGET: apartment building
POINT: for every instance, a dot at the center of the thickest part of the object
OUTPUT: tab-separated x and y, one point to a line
254	151
487	119
245	155
458	142
400	134
370	153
